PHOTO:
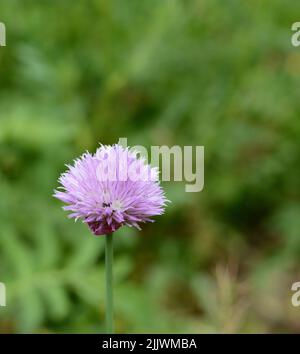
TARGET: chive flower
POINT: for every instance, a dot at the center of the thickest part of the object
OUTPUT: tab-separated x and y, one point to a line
111	188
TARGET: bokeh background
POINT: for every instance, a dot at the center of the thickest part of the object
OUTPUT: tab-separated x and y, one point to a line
222	74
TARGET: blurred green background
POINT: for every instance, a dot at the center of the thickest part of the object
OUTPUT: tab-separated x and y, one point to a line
222	74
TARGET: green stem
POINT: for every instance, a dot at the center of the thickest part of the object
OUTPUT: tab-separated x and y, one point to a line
109	283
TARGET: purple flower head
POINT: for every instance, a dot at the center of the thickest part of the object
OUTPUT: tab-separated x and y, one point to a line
111	188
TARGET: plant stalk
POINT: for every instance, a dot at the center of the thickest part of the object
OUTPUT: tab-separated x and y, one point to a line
109	283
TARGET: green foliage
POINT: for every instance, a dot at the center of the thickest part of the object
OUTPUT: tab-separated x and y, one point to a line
173	72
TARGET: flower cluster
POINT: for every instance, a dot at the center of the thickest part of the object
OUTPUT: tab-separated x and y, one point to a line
111	188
